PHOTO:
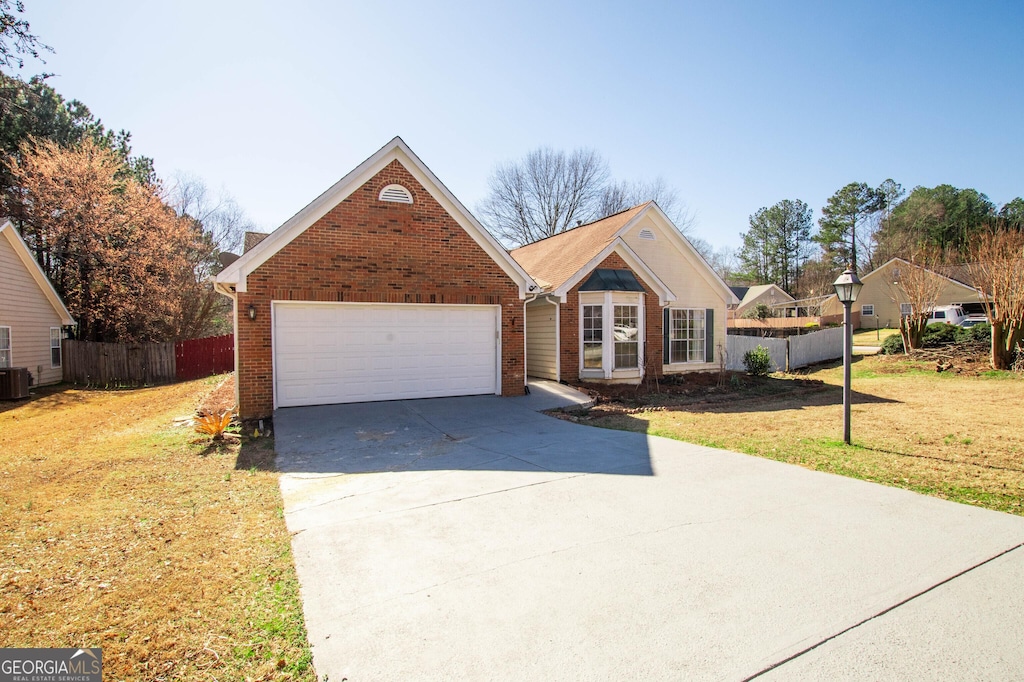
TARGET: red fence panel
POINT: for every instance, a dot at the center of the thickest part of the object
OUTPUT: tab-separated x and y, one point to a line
196	358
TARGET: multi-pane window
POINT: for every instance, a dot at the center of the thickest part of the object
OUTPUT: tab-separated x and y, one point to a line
627	334
5	346
906	309
593	349
686	335
55	346
867	309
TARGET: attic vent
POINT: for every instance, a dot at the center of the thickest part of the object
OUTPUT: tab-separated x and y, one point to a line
646	234
396	194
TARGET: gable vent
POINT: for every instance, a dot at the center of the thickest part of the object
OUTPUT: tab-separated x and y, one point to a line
646	234
396	194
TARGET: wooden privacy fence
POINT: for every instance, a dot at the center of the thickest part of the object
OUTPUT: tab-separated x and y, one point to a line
195	358
137	364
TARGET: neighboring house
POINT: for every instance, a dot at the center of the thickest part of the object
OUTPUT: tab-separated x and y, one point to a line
384	287
768	294
32	316
881	302
622	297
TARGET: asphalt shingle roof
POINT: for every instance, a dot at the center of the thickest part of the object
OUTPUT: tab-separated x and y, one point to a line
554	260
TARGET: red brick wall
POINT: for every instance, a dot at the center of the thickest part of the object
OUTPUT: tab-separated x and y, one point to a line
369	251
569	316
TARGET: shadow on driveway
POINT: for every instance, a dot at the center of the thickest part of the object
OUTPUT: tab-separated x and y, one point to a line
474	432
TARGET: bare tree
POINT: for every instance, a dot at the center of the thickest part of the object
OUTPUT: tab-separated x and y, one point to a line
723	260
546	193
220	215
997	272
219	224
916	284
625	194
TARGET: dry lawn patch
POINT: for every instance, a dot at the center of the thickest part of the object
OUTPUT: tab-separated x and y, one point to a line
958	437
121	530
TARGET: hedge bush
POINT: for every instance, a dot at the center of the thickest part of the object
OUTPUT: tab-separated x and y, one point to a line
758	361
892	345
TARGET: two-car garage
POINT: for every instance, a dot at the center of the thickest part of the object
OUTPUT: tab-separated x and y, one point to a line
326	353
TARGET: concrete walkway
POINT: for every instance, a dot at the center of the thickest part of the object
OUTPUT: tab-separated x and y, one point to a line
473	538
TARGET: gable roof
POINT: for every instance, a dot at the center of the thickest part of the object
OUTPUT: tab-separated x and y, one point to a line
875	273
42	281
560	261
396	150
886	264
752	293
555	259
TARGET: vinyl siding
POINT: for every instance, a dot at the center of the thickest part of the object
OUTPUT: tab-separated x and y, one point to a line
682	274
541	334
28	313
879	291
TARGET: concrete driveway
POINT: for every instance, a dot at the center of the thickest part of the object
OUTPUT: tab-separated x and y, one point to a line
474	538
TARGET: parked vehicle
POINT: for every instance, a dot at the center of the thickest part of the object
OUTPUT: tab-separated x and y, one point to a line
947	314
972	320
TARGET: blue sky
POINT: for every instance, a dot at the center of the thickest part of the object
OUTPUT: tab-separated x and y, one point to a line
737	105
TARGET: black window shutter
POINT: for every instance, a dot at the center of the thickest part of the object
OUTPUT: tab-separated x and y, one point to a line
709	335
666	351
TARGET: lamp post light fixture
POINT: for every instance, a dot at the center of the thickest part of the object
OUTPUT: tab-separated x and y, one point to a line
847	286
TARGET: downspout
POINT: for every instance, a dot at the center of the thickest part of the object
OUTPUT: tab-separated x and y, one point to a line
529	299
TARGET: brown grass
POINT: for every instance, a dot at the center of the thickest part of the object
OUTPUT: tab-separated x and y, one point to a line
958	437
120	529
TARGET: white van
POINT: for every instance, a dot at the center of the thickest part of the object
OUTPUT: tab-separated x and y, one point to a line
947	314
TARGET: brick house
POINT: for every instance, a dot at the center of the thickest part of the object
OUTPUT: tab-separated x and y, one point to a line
621	298
385	287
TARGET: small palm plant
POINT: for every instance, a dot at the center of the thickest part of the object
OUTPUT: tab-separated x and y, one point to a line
214	424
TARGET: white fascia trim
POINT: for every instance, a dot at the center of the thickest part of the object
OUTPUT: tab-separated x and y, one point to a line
672	233
42	281
665	295
396	149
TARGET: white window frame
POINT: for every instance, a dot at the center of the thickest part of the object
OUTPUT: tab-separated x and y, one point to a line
619	343
60	355
6	354
701	339
608	300
868	309
591	336
906	309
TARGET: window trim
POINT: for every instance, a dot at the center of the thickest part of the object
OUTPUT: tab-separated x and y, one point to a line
608	300
584	341
8	360
635	316
867	306
58	348
906	309
702	340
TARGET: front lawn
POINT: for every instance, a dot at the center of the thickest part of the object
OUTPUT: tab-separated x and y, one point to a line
872	337
955	436
121	530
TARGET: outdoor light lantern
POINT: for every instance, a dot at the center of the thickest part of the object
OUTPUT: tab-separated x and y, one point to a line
847	286
252	311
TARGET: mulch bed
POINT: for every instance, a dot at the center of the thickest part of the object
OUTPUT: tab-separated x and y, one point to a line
689	391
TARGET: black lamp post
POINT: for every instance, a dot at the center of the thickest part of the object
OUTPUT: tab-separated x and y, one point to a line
847	286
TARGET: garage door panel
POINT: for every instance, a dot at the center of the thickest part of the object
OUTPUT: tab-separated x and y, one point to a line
334	353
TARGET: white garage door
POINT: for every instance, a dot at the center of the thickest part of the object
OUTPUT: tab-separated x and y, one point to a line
349	352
